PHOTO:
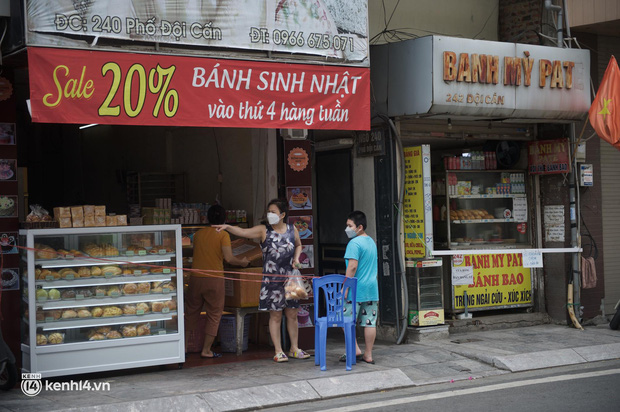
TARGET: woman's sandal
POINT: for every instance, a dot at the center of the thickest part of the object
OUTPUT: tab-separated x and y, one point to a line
299	354
280	357
343	358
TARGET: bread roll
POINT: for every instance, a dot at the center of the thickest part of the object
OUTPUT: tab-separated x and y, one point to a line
144	287
157	306
41	339
129	331
55	338
130	289
113	334
69	314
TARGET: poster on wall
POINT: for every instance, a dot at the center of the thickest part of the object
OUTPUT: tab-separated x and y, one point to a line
499	281
8	242
7	133
304	316
8	169
299	198
327	28
10	279
306	258
8	206
303	225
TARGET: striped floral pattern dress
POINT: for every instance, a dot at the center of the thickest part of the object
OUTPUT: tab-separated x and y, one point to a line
278	251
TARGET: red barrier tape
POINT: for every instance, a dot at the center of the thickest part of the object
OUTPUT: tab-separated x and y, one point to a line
204	272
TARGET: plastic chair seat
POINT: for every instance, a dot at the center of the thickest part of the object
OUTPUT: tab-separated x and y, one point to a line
334	288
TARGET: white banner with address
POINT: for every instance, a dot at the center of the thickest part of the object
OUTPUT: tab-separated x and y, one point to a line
328	28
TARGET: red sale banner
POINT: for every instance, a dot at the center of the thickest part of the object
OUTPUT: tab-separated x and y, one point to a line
76	86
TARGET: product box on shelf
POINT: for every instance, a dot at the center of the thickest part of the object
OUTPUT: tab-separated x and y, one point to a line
243	248
243	290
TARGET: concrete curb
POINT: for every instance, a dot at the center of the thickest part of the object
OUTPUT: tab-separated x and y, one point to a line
267	396
560	357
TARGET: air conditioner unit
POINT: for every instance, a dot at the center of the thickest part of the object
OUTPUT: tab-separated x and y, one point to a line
299	134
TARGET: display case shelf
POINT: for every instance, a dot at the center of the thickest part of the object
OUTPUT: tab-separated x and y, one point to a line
103	301
468	221
102	261
489	196
94	322
74	352
498	210
116	280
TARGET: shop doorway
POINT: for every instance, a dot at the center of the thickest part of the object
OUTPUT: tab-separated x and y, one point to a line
334	183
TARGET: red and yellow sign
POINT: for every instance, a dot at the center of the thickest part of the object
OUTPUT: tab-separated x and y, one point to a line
499	281
75	86
548	157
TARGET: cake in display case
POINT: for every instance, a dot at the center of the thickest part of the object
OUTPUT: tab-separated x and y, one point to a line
103	298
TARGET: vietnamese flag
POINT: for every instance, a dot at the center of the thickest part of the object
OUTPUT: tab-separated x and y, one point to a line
604	114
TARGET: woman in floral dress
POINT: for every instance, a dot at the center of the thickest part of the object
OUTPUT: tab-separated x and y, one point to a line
281	248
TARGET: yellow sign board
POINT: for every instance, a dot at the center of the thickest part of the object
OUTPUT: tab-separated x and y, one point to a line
413	208
500	280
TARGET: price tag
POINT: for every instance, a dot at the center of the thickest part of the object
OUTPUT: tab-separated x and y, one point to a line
161	332
114	294
108	275
130	253
162	251
49	319
165	290
79	297
140	312
70	277
137	272
42	299
49	277
69	257
100	294
167	270
165	310
142	253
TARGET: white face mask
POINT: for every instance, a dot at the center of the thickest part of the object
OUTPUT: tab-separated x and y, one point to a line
273	218
351	233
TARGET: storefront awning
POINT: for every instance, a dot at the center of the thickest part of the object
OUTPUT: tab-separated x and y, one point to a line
475	79
85	87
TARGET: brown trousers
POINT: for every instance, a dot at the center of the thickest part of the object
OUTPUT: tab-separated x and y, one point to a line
207	291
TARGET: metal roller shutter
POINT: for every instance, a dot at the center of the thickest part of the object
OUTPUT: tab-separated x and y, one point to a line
610	177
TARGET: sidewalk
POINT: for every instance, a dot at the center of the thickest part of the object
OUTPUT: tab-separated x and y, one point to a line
263	383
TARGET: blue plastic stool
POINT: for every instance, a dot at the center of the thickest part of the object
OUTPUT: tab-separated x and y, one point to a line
331	286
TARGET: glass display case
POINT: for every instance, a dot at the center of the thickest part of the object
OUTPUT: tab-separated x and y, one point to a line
101	298
425	283
486	209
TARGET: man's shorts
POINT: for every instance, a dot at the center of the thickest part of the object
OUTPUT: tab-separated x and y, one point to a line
366	313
